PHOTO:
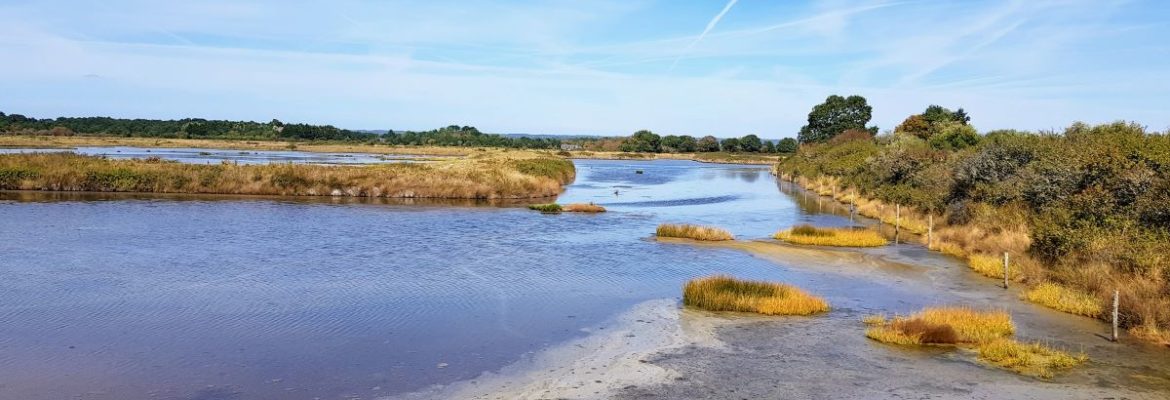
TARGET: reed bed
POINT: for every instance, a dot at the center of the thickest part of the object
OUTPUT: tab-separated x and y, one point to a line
488	176
1032	359
839	237
572	207
583	208
696	232
992	266
1065	299
724	293
943	325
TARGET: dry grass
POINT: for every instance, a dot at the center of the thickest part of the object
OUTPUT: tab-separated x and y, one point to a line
840	237
724	293
992	266
583	208
487	176
943	325
1032	359
1065	299
696	232
274	145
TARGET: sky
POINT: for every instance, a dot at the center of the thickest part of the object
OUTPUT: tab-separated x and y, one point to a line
604	67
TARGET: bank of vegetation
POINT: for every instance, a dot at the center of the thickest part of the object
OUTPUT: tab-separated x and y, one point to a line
588	208
724	293
695	232
989	332
1081	212
838	237
197	128
647	142
496	175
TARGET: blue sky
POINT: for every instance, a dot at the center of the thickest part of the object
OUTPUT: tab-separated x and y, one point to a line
587	67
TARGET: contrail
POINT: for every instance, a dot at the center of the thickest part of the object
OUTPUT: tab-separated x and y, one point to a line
710	26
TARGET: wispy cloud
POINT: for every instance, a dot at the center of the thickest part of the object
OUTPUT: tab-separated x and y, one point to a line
710	25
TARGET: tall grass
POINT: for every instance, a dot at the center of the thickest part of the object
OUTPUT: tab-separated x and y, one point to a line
696	232
992	266
1065	299
841	237
943	325
488	176
572	207
1028	358
724	293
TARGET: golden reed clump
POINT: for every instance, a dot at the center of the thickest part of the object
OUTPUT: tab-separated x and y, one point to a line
696	232
838	237
490	176
724	293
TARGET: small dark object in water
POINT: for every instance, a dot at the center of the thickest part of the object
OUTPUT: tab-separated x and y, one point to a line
638	171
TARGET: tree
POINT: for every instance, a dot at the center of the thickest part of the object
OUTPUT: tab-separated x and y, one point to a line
834	116
708	144
730	145
671	143
955	136
961	116
687	144
643	141
769	147
915	125
787	145
750	144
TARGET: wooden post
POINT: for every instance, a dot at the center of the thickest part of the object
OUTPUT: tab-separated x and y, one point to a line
852	205
1116	296
897	221
1005	270
929	230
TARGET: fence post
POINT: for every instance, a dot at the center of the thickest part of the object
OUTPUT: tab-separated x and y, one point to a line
1005	270
929	231
897	221
852	205
1116	296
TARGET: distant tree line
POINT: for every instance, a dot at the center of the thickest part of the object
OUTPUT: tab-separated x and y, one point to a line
645	141
196	128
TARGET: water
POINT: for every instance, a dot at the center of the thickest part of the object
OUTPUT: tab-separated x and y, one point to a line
272	299
214	156
117	296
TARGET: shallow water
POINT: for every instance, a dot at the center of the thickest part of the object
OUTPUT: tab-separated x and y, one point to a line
185	297
199	297
216	156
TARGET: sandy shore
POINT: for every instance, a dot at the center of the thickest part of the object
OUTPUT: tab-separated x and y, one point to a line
612	357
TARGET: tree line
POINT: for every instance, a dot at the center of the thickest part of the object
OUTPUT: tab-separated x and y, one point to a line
645	141
196	128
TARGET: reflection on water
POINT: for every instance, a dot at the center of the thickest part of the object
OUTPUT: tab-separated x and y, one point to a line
109	296
216	156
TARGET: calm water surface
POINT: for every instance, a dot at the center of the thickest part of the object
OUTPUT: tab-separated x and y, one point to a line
199	298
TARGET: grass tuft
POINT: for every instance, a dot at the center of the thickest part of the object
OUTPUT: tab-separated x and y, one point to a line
1032	359
944	325
546	208
1061	298
696	232
583	208
724	293
992	266
840	237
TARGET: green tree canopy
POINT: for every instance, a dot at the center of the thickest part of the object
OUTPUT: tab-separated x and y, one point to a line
643	141
751	144
730	145
787	145
834	116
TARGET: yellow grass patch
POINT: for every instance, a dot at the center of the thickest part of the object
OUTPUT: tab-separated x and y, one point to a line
696	232
234	144
992	266
583	208
724	293
1032	359
841	237
943	325
1065	299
